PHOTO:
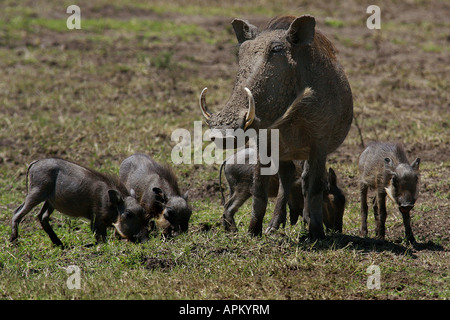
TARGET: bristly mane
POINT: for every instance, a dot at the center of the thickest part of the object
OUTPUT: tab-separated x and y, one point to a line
279	22
321	45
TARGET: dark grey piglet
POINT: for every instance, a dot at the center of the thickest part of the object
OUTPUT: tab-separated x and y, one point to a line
157	191
384	167
80	192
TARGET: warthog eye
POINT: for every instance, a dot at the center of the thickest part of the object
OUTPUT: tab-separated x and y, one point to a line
277	47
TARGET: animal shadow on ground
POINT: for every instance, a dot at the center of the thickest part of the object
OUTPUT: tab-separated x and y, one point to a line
340	241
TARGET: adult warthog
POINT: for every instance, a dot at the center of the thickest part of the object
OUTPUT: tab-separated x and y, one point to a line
288	79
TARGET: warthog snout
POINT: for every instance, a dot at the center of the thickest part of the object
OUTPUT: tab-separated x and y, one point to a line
131	222
249	116
405	208
229	139
222	138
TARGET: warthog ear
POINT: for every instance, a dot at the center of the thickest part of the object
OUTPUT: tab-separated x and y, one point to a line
415	164
332	179
244	30
301	32
133	193
115	197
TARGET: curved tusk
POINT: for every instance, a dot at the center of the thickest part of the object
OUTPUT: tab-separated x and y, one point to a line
251	109
202	101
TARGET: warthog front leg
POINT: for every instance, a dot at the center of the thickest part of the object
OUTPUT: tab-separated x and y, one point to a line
260	197
408	230
99	229
306	218
314	188
364	209
286	173
295	203
380	216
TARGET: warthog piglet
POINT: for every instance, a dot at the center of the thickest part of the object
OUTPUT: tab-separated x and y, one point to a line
80	192
157	191
384	167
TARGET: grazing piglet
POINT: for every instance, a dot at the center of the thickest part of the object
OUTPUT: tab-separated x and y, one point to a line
80	192
333	204
157	191
384	167
239	175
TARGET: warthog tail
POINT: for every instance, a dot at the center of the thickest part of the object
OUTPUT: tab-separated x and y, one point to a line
28	170
307	97
220	181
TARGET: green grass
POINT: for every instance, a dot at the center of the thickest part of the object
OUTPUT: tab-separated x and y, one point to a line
99	28
334	23
431	47
209	264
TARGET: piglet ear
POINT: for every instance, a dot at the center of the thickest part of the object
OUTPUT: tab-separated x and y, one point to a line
332	179
186	196
415	164
115	197
159	195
